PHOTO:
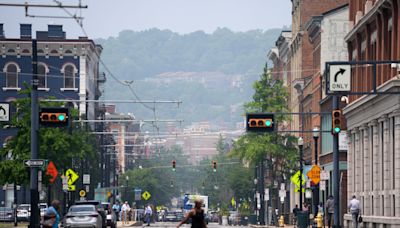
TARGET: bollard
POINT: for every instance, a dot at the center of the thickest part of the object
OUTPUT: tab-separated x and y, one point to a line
318	220
281	221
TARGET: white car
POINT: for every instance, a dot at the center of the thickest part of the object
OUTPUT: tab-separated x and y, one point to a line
23	212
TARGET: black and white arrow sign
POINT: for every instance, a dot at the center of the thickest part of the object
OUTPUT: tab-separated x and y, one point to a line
339	78
34	163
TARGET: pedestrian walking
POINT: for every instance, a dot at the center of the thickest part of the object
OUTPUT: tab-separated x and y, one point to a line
51	218
354	207
117	208
148	212
330	209
197	216
296	209
125	210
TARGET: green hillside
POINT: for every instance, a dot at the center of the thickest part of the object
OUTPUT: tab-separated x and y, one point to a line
141	56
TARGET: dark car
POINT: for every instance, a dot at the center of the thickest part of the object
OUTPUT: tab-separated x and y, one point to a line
99	209
83	216
6	214
111	217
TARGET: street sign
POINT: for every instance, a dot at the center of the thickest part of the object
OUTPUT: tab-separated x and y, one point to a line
71	188
297	189
72	176
34	162
146	195
87	188
4	112
64	183
86	178
322	185
282	193
343	142
308	194
233	202
314	174
52	171
296	179
82	193
138	194
324	175
339	78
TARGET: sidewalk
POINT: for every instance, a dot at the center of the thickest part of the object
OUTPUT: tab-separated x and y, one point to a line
130	223
266	226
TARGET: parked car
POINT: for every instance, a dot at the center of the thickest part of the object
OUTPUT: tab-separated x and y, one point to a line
179	215
110	215
6	214
170	217
213	216
23	212
234	218
83	216
98	207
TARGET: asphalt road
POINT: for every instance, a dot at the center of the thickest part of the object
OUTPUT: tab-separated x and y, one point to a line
174	224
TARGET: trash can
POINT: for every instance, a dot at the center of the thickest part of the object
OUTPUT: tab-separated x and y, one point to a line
303	219
252	219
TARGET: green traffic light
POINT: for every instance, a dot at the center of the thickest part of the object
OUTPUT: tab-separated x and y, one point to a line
268	123
173	169
61	117
337	129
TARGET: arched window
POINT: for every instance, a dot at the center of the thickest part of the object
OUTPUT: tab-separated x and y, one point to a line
42	76
69	76
11	76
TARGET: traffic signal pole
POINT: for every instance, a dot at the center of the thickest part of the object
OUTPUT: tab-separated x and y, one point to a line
34	219
336	172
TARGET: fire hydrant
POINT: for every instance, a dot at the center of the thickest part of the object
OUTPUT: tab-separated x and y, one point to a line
318	220
281	221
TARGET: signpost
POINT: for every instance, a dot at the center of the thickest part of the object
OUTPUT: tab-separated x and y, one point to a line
339	79
146	195
34	163
4	112
52	171
314	174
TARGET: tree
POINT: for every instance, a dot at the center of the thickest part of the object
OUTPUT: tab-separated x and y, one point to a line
65	147
278	150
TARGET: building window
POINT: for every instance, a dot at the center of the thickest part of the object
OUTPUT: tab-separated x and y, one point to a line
11	75
69	71
42	76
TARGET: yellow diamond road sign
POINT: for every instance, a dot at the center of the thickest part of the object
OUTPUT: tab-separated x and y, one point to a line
72	176
314	174
296	179
146	195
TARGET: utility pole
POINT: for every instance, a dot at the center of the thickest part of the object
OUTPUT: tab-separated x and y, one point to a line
316	187
336	172
262	193
300	144
34	220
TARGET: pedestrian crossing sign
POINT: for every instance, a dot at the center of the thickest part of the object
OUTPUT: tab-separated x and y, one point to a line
296	179
146	195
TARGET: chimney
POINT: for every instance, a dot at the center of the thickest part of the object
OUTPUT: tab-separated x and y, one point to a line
26	31
1	31
55	32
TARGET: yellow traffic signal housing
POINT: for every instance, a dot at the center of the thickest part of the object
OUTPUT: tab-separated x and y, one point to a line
260	122
54	117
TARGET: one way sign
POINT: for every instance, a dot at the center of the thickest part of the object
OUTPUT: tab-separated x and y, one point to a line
339	78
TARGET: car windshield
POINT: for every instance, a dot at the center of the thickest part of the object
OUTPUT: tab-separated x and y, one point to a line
106	206
82	208
25	207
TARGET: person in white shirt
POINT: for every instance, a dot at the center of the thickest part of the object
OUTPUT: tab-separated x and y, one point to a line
354	207
125	210
148	212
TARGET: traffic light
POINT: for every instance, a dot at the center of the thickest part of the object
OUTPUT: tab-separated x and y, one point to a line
261	122
214	165
173	165
337	121
54	117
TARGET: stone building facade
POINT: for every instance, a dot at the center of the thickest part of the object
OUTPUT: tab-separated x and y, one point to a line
373	121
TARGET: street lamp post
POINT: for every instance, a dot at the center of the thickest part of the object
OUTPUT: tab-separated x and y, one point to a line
300	143
126	187
316	187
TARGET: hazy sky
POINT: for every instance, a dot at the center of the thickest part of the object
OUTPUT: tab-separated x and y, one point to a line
105	18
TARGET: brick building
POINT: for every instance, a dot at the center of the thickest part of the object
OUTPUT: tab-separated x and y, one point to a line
67	69
373	122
